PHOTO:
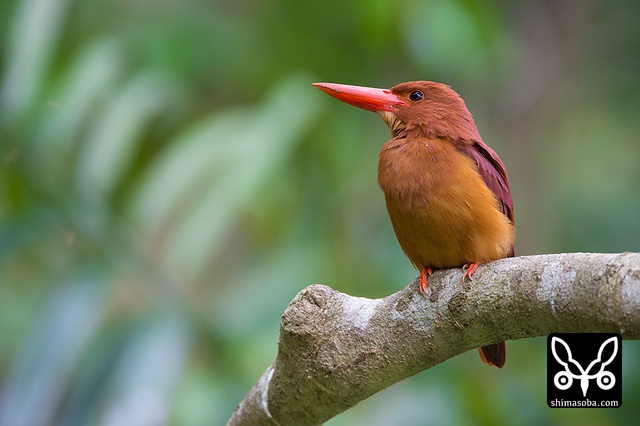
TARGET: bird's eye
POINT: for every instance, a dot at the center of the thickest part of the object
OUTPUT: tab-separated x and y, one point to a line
416	95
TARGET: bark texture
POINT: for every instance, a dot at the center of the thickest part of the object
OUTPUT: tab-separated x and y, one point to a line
336	350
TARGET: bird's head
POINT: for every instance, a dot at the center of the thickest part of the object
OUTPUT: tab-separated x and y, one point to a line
433	108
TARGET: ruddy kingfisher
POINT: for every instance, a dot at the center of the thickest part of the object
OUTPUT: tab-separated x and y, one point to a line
446	191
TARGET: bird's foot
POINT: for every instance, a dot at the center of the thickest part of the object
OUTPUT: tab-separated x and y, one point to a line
469	269
424	274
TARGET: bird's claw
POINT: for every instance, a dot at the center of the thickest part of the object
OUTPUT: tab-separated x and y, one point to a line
424	274
468	270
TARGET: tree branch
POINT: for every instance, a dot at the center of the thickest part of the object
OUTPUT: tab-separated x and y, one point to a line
336	350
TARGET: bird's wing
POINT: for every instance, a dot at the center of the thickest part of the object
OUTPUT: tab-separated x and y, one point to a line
493	173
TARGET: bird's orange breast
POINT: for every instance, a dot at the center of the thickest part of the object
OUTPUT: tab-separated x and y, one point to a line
442	212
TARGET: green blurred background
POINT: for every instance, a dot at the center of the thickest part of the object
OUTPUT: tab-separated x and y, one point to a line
169	180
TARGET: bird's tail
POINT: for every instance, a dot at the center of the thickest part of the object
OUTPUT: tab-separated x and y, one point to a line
495	354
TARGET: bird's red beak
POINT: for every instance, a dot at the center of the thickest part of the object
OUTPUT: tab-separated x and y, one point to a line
362	97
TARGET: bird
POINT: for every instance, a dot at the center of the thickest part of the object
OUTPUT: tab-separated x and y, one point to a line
446	191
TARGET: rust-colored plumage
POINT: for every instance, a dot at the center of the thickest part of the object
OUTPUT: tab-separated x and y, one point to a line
447	192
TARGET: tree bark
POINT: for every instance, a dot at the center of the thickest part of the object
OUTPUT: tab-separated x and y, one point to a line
336	350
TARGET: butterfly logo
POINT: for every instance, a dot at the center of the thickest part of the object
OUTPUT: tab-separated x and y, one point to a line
564	379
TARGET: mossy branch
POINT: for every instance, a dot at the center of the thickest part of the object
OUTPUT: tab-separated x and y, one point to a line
336	350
